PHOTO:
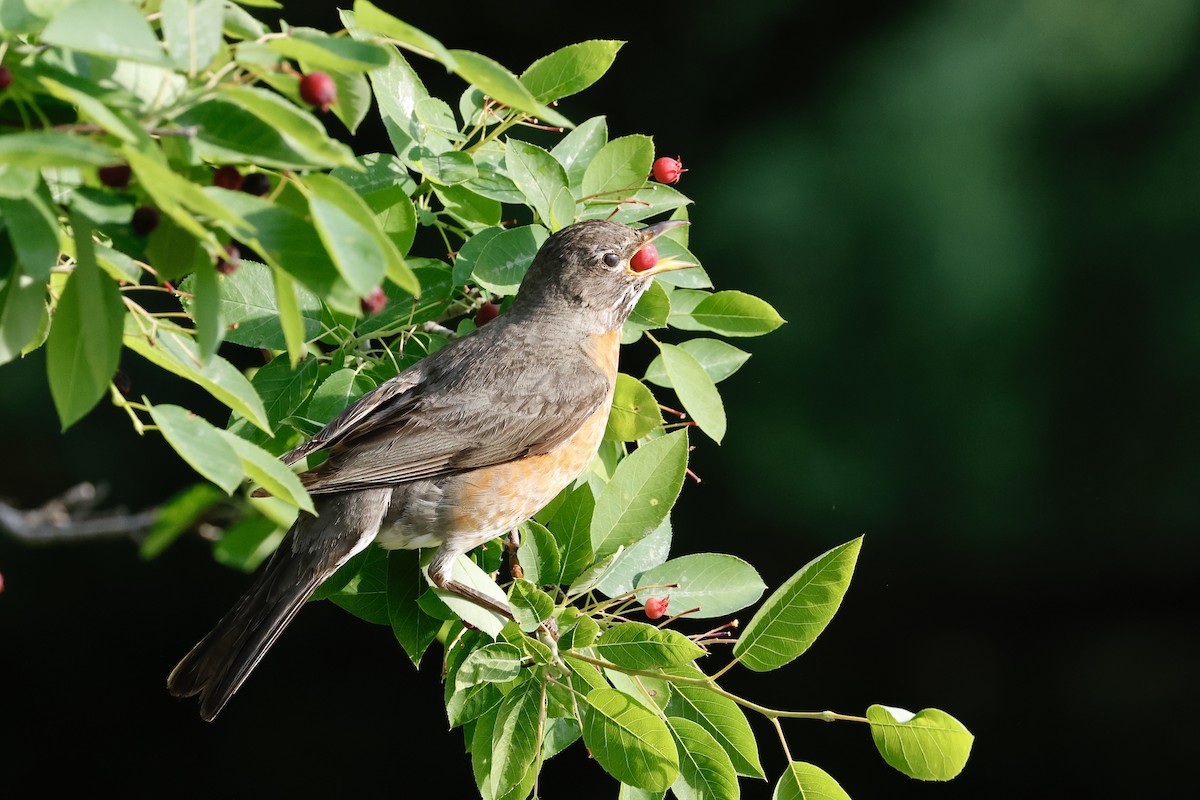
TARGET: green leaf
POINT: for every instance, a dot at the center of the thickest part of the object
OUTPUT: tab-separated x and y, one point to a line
365	594
247	543
498	662
466	206
530	605
206	310
104	28
804	781
299	130
631	743
719	359
636	645
539	177
638	201
80	94
930	745
501	265
290	243
176	516
714	583
320	51
733	313
397	90
705	770
652	310
282	388
180	198
372	18
335	393
571	525
577	149
640	494
41	149
269	472
199	444
249	311
627	567
695	390
620	167
32	228
414	629
720	716
192	30
794	616
570	70
538	554
501	85
515	741
84	347
349	232
177	353
634	411
22	306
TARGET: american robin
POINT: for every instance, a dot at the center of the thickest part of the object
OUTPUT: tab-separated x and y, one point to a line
456	450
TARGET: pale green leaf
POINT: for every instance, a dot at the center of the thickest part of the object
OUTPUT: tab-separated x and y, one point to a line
631	743
695	389
732	313
713	583
804	781
640	495
200	444
105	28
636	645
269	472
795	614
634	411
930	745
719	359
619	168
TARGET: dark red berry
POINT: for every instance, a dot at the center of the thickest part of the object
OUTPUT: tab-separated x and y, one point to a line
374	302
644	259
116	176
486	313
228	177
228	264
667	169
5	78
125	386
256	183
318	90
656	607
145	220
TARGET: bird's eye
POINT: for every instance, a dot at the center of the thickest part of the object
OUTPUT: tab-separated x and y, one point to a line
612	260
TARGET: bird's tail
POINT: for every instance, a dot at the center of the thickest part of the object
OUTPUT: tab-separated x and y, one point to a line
312	551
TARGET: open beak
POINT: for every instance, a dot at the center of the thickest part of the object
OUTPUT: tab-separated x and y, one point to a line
651	232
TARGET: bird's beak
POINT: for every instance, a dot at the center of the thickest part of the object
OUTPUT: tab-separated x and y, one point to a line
651	232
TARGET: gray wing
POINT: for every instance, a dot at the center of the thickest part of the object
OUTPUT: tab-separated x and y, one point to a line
464	407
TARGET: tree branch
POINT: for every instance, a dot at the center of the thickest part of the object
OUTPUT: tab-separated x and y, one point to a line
73	517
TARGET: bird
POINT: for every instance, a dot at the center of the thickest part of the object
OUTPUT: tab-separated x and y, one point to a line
454	451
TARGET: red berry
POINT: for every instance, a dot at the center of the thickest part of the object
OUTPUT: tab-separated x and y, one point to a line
668	170
486	313
656	606
116	176
5	78
644	259
228	177
145	220
256	183
318	90
374	302
228	264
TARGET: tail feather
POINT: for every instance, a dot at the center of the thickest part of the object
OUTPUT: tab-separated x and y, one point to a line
312	551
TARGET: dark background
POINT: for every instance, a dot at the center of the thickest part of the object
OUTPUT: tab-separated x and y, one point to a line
981	221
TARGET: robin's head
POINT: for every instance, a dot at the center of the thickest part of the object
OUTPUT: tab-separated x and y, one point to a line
585	268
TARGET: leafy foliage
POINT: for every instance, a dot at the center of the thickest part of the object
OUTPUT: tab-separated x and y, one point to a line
201	102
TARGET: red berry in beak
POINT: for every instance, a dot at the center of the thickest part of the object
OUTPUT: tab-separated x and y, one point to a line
644	259
667	169
318	90
656	607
